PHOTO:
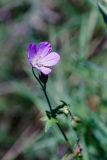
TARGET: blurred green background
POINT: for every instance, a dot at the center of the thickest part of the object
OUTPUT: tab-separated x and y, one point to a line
77	32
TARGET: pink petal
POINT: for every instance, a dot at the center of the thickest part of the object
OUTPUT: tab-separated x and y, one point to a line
32	51
50	60
44	70
43	49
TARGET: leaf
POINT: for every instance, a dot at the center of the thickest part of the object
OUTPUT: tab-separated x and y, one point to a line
50	123
103	11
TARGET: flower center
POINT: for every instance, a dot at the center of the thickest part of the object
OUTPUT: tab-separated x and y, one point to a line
35	61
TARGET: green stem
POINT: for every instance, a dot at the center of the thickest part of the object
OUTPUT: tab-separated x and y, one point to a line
49	104
44	90
64	135
37	78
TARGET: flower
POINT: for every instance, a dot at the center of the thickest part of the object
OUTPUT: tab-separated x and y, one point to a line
40	56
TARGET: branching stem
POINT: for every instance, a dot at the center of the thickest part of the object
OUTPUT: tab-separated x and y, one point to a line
43	86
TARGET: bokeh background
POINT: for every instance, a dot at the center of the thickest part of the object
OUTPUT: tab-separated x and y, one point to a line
77	32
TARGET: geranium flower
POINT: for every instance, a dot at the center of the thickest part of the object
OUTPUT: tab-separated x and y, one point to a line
40	56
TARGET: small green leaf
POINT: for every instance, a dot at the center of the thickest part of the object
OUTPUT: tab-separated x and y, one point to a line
50	123
103	11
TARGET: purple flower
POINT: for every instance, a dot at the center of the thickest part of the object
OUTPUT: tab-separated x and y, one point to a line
40	56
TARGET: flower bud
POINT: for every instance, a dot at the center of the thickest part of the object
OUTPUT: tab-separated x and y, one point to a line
43	78
78	151
75	122
65	110
77	119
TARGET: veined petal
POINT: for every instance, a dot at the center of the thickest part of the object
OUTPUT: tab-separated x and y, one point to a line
32	51
41	57
44	70
50	60
43	49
